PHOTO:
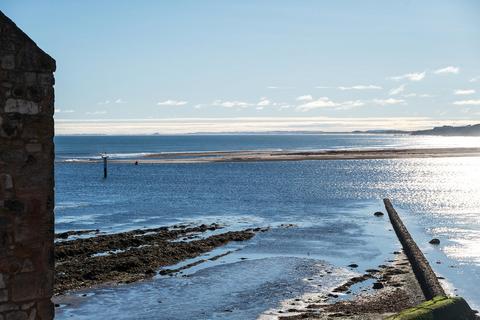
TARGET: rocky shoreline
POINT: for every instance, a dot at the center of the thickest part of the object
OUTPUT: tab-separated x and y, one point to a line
134	255
88	258
376	294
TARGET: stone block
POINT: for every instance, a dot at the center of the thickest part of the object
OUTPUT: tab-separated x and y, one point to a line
8	307
33	314
8	62
45	79
45	310
25	286
33	147
2	282
17	315
30	78
27	306
27	266
21	106
3	295
6	181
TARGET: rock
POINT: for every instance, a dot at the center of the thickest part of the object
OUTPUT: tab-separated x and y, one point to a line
150	272
372	270
353	265
378	214
434	241
377	285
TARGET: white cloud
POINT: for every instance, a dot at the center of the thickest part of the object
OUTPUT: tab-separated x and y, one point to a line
198	106
446	70
397	90
325	102
172	103
103	102
463	92
361	87
306	97
64	111
422	95
322	87
263	102
120	101
467	103
277	87
414	76
350	104
389	101
475	79
231	104
96	112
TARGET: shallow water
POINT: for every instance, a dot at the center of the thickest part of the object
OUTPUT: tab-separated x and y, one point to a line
331	202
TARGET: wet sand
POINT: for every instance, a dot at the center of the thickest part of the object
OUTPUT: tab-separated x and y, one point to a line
250	156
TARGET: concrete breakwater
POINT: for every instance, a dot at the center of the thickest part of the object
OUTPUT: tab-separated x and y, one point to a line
427	279
438	305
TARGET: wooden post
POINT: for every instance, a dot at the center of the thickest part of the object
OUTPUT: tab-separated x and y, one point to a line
104	157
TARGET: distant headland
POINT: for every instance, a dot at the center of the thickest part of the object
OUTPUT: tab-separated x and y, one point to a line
470	130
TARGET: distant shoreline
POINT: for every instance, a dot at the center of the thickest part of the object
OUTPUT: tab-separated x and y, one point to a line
266	155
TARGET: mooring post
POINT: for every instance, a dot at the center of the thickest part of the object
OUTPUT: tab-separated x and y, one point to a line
104	157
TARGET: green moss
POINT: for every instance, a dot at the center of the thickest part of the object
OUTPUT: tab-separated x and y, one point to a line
443	308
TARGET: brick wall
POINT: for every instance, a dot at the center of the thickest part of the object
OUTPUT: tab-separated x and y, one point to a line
26	176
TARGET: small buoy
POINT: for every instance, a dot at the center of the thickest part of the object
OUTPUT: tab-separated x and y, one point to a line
136	163
378	214
434	241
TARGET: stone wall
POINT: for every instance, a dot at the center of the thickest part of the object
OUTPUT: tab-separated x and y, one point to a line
26	176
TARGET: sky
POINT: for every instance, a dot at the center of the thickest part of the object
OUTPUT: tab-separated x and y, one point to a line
215	66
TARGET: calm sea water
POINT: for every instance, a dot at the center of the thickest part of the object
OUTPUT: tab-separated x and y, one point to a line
330	202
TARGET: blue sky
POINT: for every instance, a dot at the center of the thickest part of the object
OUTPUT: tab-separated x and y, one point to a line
309	64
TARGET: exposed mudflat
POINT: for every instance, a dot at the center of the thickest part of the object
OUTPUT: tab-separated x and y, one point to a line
135	255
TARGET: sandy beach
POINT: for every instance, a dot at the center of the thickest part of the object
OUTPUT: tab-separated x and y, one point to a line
251	156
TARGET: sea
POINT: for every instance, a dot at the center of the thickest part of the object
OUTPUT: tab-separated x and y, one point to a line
320	215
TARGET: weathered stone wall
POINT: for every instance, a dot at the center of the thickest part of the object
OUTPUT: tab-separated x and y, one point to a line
26	176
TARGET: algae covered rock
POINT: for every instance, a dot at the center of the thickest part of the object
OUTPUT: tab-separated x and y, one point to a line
439	308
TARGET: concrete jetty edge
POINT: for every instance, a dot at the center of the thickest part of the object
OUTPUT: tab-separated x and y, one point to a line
438	305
